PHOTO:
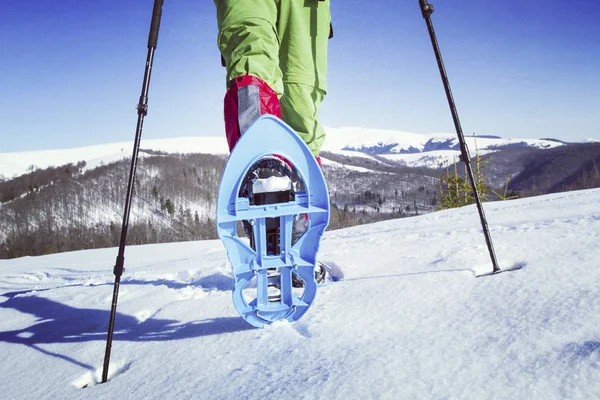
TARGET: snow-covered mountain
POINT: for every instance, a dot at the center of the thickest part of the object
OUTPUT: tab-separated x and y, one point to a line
412	149
17	163
379	141
408	321
417	149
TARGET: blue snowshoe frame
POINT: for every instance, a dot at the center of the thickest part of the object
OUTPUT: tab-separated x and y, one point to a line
269	135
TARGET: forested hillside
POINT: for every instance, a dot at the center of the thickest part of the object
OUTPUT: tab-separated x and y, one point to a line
70	207
75	207
67	208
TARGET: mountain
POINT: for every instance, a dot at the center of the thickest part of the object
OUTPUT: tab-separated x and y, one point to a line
410	149
18	163
54	207
576	166
434	150
408	321
75	207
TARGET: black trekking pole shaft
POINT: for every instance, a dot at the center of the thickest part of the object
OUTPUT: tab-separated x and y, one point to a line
142	110
427	10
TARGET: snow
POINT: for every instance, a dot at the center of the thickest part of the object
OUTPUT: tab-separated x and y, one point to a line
358	154
361	138
415	149
339	141
409	320
337	165
17	163
351	137
272	184
432	159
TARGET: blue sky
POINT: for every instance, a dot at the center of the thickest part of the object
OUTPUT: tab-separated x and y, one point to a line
71	71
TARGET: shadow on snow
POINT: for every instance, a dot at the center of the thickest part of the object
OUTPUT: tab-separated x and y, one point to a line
60	323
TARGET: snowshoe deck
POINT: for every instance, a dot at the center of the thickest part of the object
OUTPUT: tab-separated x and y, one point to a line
253	266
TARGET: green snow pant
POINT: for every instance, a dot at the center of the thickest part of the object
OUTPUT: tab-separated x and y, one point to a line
284	43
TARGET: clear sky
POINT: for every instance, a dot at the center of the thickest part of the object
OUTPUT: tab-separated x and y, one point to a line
71	71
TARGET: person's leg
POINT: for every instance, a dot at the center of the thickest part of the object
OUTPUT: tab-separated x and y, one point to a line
303	27
250	47
300	106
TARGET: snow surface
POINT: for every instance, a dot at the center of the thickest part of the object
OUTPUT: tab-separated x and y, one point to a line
358	154
434	159
408	321
337	165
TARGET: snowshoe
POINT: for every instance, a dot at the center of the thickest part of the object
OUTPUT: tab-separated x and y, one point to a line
272	199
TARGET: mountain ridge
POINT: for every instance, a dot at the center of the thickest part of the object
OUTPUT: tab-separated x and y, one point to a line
410	149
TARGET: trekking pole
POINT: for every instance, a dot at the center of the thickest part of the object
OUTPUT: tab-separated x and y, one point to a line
427	10
142	110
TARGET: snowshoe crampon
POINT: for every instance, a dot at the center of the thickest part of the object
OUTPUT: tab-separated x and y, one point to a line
264	271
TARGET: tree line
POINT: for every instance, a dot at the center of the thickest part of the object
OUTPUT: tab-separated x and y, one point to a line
73	207
69	208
